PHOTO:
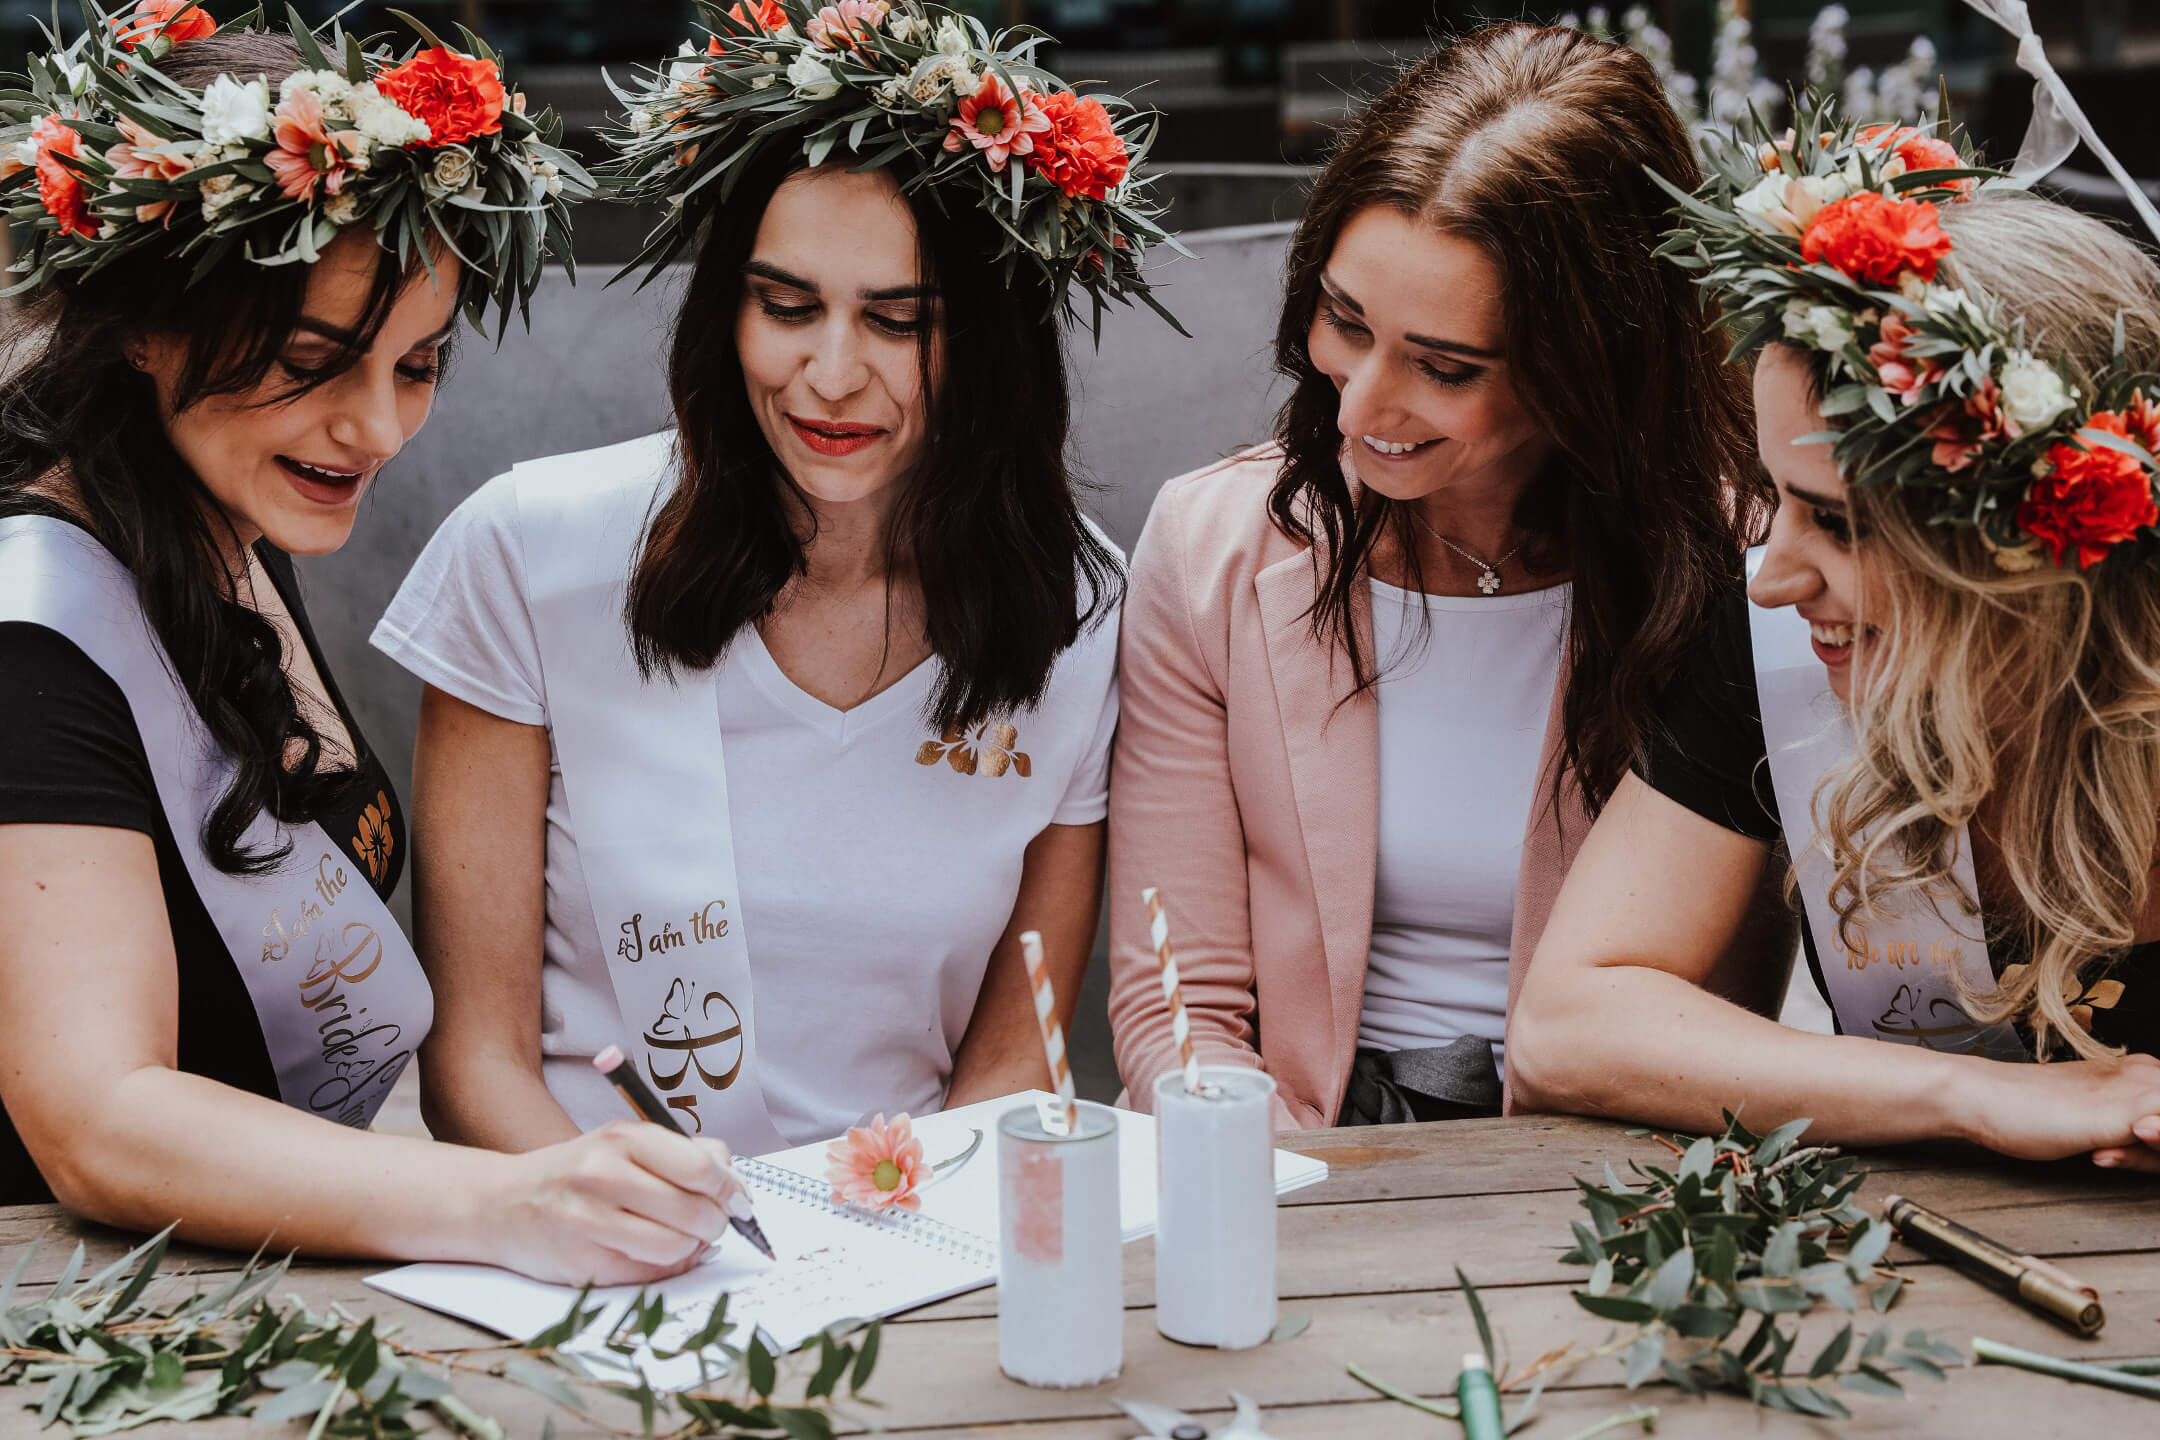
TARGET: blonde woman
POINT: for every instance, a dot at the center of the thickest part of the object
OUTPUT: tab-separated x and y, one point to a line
1948	692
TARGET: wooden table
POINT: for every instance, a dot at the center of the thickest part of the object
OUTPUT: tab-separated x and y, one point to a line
1370	1256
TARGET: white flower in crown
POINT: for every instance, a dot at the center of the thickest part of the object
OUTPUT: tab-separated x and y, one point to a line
952	37
343	208
688	72
233	112
452	171
384	121
2033	393
77	76
905	28
1764	206
641	122
220	191
1823	326
328	86
550	175
1947	302
812	78
16	158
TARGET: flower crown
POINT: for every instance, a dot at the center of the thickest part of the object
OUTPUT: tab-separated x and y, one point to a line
978	118
101	155
1832	243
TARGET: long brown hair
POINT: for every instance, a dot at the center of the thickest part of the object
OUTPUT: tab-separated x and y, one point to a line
1532	143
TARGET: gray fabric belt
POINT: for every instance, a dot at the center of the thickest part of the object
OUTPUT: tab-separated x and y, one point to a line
1456	1081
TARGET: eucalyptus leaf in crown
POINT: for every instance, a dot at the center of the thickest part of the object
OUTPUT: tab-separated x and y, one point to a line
103	155
1828	238
974	117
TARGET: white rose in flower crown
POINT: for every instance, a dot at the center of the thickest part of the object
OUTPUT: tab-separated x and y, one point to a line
812	78
904	28
2033	393
952	37
686	73
1764	205
1822	326
384	121
233	112
452	172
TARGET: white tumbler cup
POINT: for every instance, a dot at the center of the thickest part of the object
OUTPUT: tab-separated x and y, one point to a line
1061	1250
1215	1241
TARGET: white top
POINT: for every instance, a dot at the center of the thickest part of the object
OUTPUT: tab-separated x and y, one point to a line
1463	710
873	884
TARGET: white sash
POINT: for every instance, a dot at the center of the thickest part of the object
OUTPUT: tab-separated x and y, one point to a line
339	994
1900	988
646	786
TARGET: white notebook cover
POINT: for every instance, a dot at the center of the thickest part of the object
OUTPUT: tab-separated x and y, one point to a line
834	1263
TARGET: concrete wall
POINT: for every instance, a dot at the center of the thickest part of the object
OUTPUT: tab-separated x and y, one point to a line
1148	405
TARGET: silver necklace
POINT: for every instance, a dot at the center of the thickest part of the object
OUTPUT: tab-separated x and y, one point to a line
1488	583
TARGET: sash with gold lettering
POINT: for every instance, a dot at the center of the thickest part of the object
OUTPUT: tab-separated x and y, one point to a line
337	990
646	785
1900	988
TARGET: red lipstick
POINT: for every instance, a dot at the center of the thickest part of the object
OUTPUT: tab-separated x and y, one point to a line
835	437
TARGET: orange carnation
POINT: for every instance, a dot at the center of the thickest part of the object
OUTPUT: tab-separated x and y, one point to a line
2091	500
1080	153
178	21
1918	151
459	98
60	190
1875	239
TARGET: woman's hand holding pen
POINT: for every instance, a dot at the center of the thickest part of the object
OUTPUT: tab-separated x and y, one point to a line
625	1204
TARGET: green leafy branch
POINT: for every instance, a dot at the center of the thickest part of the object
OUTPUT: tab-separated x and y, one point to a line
119	1350
1746	1226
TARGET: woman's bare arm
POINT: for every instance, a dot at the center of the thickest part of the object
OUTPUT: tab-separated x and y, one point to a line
1613	1020
479	827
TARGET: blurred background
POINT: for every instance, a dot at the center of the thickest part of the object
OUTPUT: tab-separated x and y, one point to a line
1250	92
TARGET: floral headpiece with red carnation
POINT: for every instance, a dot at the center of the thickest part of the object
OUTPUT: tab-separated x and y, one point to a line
1835	246
887	82
102	155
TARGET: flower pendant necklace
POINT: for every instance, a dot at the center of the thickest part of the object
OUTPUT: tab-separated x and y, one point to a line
1488	583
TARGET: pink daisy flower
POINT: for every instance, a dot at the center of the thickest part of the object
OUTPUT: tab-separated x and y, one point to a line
878	1166
997	122
308	153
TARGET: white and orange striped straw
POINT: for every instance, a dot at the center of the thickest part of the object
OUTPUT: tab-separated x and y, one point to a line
1053	1035
1180	1026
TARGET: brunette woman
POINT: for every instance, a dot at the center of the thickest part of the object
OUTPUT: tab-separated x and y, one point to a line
195	840
754	747
1379	675
1953	728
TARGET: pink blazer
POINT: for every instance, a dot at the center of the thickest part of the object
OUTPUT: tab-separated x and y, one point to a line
1245	785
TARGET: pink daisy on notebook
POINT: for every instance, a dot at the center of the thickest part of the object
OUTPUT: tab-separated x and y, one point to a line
878	1166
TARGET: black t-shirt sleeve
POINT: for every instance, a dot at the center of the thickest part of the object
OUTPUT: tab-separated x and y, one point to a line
1705	748
69	750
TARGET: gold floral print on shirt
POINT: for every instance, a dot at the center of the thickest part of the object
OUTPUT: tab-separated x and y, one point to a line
375	838
990	748
2082	999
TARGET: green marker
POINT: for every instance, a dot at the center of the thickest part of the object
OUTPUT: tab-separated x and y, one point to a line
1479	1398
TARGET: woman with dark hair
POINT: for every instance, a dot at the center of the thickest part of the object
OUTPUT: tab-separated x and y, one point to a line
1379	675
754	747
195	840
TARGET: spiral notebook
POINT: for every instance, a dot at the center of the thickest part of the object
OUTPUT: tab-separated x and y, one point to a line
835	1262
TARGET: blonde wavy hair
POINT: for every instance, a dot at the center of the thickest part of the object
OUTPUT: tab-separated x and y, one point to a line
2034	695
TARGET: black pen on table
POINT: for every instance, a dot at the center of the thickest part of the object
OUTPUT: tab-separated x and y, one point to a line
623	1075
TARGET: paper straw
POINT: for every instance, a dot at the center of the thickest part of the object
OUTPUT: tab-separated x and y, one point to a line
1180	1025
1053	1035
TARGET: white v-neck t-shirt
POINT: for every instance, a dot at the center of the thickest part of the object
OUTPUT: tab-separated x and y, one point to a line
875	875
1462	718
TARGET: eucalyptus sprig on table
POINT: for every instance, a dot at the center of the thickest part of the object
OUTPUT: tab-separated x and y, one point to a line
1746	1225
119	1350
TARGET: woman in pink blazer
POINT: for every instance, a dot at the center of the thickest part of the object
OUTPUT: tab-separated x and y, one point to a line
1378	676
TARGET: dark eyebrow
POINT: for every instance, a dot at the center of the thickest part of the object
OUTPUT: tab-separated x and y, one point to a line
340	335
1453	347
766	270
1809	497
